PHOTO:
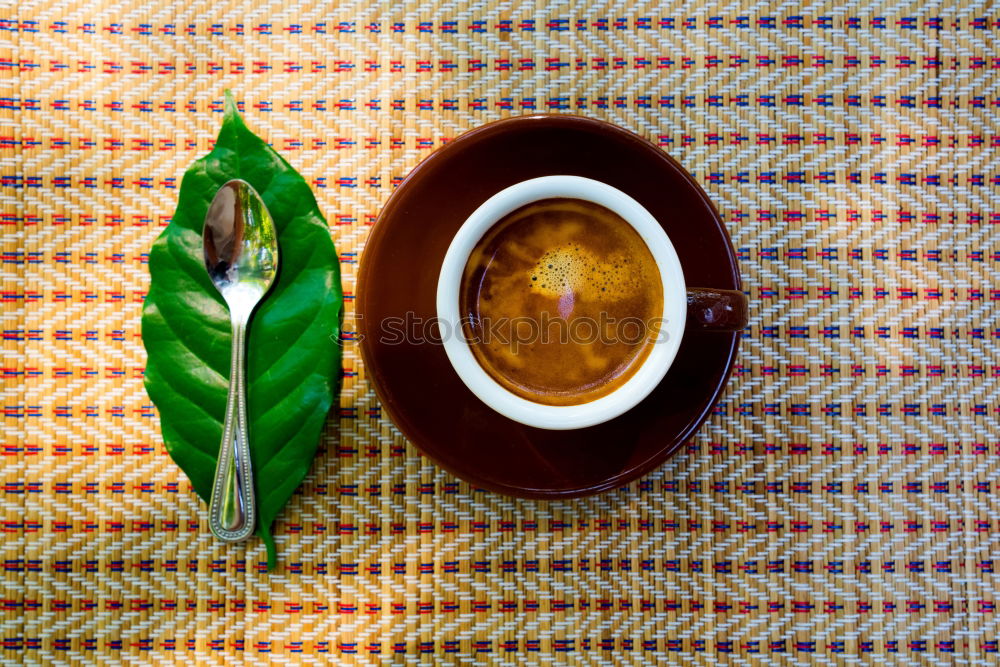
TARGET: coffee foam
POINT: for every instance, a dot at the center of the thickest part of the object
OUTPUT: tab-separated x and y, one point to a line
575	268
566	259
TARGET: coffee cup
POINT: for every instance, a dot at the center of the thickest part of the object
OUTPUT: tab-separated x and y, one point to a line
546	256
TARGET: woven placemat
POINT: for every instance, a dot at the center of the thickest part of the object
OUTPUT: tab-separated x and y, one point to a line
841	503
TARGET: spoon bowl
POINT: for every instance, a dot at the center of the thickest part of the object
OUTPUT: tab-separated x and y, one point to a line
241	257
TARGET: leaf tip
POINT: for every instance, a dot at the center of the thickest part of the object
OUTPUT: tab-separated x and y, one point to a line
231	108
272	548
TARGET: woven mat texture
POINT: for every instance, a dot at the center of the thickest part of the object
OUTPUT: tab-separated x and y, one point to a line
841	505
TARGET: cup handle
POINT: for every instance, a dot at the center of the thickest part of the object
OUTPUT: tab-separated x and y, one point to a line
716	309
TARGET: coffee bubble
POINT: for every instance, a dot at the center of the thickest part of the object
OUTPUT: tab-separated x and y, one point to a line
572	268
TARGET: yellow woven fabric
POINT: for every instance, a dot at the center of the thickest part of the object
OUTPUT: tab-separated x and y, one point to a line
841	503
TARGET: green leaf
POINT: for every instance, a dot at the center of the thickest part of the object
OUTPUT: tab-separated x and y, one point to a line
293	351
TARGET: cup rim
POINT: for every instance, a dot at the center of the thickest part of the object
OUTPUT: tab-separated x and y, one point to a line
651	371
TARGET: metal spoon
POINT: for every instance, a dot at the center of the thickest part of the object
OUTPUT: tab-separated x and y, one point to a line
241	256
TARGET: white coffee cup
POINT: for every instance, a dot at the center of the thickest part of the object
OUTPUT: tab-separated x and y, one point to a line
651	370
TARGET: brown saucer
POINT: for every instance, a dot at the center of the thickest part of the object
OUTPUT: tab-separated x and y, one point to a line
415	381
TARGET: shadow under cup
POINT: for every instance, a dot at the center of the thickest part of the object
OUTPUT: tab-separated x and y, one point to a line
550	253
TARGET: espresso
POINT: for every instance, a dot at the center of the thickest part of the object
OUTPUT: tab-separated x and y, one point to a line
561	301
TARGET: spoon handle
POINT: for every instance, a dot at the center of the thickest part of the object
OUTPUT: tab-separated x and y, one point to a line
232	510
